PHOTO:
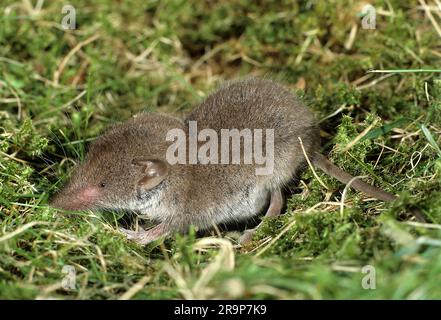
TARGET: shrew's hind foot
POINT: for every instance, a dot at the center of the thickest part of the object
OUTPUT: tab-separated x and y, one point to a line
275	208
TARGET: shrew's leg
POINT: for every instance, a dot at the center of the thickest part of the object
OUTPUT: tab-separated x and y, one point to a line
274	209
144	237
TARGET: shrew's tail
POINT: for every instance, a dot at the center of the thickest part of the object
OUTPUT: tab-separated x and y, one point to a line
321	162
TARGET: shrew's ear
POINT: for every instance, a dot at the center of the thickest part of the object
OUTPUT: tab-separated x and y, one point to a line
153	172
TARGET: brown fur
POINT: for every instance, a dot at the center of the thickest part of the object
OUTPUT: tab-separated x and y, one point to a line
200	195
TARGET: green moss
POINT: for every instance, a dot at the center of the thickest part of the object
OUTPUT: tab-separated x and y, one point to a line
193	46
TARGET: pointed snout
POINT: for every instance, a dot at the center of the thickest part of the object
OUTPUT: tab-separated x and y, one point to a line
76	199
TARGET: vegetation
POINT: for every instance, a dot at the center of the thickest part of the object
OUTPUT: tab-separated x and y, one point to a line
60	88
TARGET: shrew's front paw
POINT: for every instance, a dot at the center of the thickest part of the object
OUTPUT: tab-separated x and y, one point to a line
144	237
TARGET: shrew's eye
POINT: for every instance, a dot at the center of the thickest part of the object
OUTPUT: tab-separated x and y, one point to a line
102	184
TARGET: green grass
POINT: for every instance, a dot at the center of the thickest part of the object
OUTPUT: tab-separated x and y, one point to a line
168	55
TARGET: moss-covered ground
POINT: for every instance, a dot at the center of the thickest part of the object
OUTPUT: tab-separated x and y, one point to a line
60	88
